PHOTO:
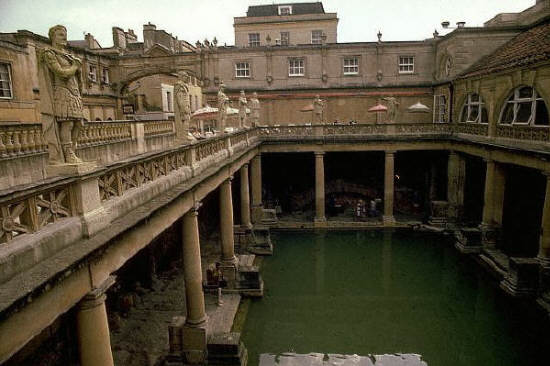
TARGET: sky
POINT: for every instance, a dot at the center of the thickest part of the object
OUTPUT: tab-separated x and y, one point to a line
192	20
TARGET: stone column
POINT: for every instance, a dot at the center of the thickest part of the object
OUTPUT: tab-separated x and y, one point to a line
94	341
495	181
388	187
226	224
544	247
320	187
456	170
192	270
194	329
256	172
245	198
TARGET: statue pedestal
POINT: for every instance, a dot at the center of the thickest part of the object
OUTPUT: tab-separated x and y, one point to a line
70	169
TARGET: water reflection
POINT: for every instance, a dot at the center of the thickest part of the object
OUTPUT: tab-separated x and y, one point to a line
381	292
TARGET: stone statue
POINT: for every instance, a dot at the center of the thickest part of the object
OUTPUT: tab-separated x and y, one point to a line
255	109
242	109
182	110
392	107
223	103
61	101
318	109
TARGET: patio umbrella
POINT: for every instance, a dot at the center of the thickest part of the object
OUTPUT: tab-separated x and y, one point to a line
378	109
205	113
418	108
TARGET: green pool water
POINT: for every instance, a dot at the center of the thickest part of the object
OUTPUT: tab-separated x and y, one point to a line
373	292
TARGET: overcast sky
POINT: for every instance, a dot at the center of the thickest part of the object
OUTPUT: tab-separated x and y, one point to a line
191	20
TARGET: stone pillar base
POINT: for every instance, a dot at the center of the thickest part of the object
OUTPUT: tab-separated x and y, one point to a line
388	219
522	279
257	214
194	349
489	235
468	241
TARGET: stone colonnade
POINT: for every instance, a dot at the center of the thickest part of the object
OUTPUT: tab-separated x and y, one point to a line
493	203
92	324
389	176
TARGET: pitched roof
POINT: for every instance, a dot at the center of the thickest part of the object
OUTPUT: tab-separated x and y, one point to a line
526	48
273	9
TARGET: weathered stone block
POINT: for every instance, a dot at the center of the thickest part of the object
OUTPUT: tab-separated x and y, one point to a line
523	277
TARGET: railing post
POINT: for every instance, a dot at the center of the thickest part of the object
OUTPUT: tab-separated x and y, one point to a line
87	204
138	135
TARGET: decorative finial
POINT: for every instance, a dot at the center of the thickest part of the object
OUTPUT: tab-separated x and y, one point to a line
379	35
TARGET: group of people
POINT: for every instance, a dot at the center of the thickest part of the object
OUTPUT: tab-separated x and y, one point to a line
361	208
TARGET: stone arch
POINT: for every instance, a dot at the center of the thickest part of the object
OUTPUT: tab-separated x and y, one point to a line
150	71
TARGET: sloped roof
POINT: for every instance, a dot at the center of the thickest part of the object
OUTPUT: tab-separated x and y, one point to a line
526	48
273	9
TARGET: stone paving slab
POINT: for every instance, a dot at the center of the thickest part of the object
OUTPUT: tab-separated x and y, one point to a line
321	359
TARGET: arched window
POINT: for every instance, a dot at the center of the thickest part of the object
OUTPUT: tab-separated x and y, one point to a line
98	119
474	110
526	107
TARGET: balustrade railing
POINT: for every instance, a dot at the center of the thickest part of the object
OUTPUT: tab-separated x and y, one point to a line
20	139
116	181
34	210
480	129
237	138
355	129
94	133
155	128
524	133
209	147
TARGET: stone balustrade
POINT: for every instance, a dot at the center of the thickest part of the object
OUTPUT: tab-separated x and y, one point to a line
524	133
354	130
94	133
480	129
155	128
20	139
29	211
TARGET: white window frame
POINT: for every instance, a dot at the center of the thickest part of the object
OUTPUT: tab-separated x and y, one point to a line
351	68
253	43
92	73
516	100
242	69
282	8
406	64
296	69
470	104
283	43
440	108
8	80
105	76
317	40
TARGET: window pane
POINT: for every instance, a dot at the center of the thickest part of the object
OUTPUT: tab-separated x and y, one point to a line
464	113
526	92
541	114
524	112
474	113
484	115
508	114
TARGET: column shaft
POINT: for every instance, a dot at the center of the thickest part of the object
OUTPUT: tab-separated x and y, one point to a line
245	198
488	201
256	172
93	329
388	187
192	269
544	248
455	185
226	223
320	186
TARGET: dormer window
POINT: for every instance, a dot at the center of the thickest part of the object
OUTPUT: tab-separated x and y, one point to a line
285	10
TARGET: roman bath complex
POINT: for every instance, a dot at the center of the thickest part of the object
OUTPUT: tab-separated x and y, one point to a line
146	187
